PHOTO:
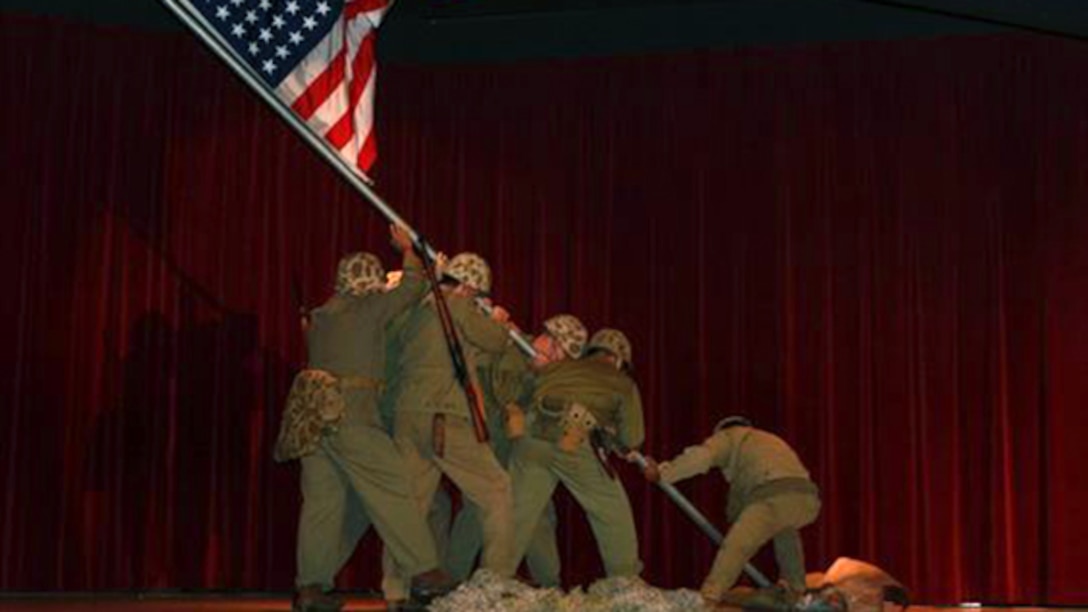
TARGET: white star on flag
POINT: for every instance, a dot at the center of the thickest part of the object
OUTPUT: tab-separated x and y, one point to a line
315	55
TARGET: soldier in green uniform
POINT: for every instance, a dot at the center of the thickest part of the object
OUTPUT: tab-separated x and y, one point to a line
432	423
504	381
352	474
770	498
394	589
570	402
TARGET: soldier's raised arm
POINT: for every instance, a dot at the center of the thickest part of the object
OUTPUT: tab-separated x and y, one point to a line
483	332
411	286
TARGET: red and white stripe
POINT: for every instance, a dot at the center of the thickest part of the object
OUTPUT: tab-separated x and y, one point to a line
333	88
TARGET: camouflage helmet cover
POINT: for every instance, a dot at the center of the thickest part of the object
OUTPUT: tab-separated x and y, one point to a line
359	273
569	332
613	341
472	270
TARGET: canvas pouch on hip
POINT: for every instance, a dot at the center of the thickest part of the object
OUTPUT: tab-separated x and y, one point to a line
576	424
315	408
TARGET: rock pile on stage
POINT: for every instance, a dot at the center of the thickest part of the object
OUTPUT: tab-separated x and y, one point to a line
847	585
486	591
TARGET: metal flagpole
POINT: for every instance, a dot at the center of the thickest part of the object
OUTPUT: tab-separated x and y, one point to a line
198	24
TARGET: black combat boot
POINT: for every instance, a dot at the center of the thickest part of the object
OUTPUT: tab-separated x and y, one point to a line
312	598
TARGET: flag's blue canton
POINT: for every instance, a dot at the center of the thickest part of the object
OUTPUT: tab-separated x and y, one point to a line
273	36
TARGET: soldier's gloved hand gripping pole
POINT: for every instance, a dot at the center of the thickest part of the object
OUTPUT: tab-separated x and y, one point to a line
453	341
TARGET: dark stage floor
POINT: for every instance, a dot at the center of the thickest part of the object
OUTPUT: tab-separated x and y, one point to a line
256	603
179	603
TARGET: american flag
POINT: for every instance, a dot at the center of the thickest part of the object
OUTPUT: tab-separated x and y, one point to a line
318	57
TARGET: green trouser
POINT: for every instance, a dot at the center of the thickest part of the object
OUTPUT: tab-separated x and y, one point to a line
779	518
355	478
438	520
472	467
466	538
535	469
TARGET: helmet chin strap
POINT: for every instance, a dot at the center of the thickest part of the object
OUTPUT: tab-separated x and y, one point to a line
615	359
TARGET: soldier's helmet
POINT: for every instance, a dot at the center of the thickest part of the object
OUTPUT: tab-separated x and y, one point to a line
569	332
359	273
472	270
613	341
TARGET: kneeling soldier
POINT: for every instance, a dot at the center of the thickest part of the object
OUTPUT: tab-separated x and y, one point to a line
770	498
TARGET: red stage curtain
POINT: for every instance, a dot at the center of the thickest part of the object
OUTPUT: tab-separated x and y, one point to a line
876	249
